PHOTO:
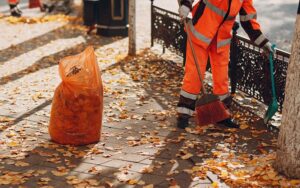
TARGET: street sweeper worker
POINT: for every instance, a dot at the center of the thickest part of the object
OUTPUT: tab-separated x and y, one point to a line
210	31
14	9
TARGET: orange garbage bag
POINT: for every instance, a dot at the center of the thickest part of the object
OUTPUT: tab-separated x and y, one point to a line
77	106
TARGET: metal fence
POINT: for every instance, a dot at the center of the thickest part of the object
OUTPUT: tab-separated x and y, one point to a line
249	70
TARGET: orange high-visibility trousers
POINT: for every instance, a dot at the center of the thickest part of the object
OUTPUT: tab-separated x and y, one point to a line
219	66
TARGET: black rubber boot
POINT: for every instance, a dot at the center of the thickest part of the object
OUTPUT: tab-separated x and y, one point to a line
229	123
227	101
183	121
15	11
19	10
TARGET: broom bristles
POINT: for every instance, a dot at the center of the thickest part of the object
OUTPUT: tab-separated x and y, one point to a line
211	113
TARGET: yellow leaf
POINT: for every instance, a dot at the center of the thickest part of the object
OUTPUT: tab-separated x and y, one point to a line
5	119
13	144
10	134
295	182
132	182
215	185
224	174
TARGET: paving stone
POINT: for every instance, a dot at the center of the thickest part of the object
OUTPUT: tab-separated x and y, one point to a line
154	160
37	118
132	166
83	167
186	184
34	183
152	179
48	172
136	125
13	167
145	108
96	160
145	150
130	157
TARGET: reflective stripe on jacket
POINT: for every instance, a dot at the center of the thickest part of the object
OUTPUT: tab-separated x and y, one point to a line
207	21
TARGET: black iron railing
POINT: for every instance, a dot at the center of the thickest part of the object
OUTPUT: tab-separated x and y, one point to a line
249	70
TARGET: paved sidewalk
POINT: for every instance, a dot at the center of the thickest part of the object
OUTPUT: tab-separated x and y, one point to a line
140	144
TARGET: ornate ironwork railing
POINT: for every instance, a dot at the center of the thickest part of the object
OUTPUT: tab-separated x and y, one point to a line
249	70
167	30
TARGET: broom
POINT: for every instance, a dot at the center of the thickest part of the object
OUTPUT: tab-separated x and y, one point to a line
209	108
273	107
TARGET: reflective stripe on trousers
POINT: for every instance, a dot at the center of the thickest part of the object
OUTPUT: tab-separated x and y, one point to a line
219	65
188	95
183	110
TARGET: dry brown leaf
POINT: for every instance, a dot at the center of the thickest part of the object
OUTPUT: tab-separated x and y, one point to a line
5	119
244	126
147	170
95	170
57	173
109	184
141	182
92	182
187	156
21	164
149	186
44	179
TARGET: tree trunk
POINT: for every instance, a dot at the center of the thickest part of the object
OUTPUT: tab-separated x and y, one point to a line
132	27
288	154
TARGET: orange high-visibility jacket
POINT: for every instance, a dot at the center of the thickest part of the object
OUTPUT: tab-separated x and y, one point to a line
13	1
207	21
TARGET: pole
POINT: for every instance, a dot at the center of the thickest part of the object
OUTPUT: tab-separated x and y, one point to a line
152	20
132	27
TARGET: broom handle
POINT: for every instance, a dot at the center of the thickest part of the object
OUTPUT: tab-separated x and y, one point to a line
194	56
271	61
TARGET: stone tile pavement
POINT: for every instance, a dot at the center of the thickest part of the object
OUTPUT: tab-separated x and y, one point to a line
140	144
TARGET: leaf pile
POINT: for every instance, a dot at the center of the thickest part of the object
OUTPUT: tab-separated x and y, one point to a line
44	19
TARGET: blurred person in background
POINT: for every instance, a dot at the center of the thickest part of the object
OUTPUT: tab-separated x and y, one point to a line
14	9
